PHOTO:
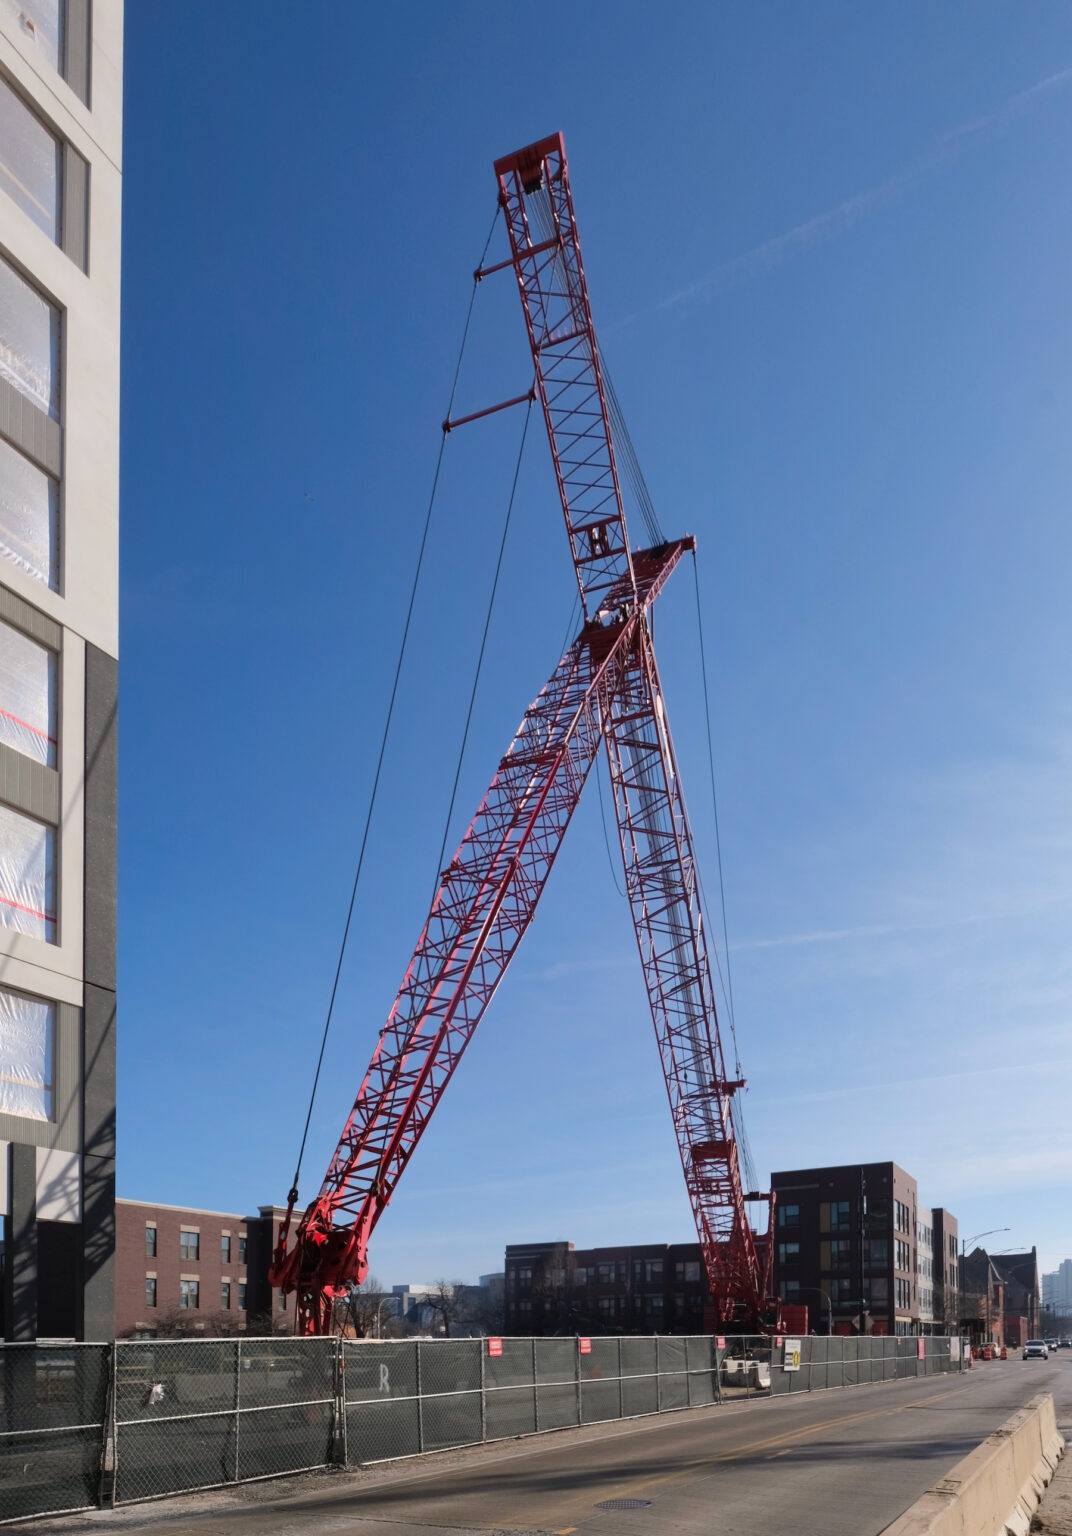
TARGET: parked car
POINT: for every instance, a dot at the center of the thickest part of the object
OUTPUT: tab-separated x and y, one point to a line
1036	1349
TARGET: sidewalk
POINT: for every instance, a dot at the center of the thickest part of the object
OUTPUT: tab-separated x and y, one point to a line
1054	1514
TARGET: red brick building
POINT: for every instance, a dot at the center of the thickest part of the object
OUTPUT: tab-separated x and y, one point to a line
186	1271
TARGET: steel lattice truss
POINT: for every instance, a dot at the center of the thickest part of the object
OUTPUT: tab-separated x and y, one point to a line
605	690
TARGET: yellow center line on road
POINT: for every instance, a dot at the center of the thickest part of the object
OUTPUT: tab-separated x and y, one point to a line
763	1445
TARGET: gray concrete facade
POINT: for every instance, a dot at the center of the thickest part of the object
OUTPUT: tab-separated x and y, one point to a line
62	61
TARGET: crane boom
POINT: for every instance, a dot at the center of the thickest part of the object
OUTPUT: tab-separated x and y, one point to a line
604	690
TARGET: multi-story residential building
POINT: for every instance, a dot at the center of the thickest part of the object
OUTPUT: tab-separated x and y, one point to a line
946	1270
847	1246
61	71
185	1271
925	1265
654	1288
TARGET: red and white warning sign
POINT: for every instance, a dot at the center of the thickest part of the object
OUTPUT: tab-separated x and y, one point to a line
586	1346
495	1347
720	1342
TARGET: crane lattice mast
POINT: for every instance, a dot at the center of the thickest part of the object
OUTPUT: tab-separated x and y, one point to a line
605	692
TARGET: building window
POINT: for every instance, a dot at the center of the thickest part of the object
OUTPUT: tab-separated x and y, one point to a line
877	1292
877	1250
789	1290
27	1032
580	1275
29	342
524	1278
225	1295
525	1309
150	1242
150	1290
834	1254
653	1270
29	162
40	21
789	1215
241	1295
836	1215
654	1306
282	1301
607	1306
687	1270
27	875
789	1253
605	1273
27	696
189	1293
28	514
225	1249
189	1245
241	1248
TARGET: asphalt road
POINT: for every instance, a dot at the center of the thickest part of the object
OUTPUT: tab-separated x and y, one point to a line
839	1463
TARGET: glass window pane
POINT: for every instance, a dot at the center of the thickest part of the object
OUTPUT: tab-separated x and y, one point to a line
29	341
26	1030
27	696
38	21
27	877
29	162
28	515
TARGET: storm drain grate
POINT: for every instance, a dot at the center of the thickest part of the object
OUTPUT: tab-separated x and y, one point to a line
623	1503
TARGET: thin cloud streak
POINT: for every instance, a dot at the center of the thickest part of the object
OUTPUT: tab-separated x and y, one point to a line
844	215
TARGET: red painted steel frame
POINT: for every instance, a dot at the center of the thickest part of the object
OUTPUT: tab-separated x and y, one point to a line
485	901
606	688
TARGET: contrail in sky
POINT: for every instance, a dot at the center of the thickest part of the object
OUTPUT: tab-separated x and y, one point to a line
841	218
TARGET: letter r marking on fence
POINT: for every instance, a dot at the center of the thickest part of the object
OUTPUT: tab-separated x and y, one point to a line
385	1380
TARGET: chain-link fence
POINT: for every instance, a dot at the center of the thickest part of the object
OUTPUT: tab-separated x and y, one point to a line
85	1424
410	1396
749	1367
53	1406
195	1413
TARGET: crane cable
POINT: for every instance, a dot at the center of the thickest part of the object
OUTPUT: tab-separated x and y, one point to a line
483	641
293	1194
714	807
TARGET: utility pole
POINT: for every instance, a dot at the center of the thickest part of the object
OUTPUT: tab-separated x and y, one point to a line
863	1215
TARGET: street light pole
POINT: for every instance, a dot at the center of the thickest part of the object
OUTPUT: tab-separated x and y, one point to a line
817	1290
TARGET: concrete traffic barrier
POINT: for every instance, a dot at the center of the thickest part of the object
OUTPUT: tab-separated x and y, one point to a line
997	1487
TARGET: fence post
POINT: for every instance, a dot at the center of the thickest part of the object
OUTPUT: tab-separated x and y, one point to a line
577	1367
621	1393
483	1391
106	1489
237	1403
338	1428
535	1388
420	1401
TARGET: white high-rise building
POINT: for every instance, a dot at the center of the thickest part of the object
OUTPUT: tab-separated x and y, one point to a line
61	78
925	1262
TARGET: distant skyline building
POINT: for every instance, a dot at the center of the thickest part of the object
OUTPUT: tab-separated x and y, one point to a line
61	106
1057	1288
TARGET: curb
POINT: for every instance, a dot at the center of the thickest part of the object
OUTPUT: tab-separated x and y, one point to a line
996	1488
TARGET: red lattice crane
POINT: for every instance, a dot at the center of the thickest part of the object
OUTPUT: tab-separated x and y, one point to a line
605	692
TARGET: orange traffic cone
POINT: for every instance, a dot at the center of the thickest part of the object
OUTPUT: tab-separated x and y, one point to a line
1004	1356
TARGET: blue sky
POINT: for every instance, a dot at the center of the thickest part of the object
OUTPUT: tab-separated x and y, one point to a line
827	250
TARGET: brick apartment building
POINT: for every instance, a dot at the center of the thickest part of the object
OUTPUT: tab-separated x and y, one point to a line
187	1271
854	1246
553	1288
1000	1297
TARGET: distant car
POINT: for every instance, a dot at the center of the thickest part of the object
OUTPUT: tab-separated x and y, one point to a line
1051	1344
1036	1349
1066	1343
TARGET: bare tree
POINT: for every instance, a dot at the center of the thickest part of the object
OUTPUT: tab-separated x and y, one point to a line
363	1310
448	1300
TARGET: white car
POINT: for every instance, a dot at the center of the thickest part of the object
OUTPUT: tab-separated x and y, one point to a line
1036	1349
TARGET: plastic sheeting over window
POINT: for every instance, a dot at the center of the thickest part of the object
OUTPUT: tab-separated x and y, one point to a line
27	876
27	696
29	341
29	162
28	516
39	22
27	1029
